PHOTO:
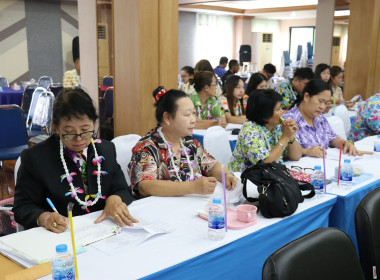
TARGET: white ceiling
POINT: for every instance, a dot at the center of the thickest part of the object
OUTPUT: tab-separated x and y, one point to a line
259	4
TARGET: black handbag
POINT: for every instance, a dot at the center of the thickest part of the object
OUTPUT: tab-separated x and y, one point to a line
279	193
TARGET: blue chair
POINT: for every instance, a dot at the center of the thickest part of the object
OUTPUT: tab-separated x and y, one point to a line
108	100
55	88
45	82
13	136
27	98
107	81
4	82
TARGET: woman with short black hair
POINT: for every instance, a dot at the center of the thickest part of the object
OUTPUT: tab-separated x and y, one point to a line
71	166
264	136
168	161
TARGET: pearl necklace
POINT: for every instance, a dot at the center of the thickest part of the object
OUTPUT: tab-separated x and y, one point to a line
87	202
184	151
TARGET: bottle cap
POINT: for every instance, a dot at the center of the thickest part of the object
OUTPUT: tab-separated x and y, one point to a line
61	248
347	160
317	167
216	201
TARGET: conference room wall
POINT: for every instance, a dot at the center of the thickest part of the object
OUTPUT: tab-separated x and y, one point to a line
186	42
35	38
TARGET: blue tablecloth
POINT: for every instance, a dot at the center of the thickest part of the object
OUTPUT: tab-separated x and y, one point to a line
199	138
245	257
10	96
343	214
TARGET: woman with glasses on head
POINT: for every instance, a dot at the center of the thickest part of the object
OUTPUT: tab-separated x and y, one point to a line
71	166
207	110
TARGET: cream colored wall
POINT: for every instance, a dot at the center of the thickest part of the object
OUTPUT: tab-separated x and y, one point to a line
341	30
68	32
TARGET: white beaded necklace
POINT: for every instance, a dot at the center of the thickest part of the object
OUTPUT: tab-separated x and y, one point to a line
171	155
73	190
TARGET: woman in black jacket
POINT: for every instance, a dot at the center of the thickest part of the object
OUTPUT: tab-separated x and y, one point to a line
71	166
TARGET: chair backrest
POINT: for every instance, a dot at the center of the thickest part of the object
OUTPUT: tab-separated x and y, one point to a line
45	82
4	82
55	88
44	110
107	81
36	94
108	100
325	253
367	223
338	126
17	166
124	145
27	97
217	144
342	112
12	127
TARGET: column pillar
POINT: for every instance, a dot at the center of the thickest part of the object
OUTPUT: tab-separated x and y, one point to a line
146	56
362	71
324	31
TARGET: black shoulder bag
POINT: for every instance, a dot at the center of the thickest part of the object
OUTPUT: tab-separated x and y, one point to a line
279	193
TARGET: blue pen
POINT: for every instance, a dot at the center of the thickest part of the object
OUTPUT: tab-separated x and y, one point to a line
52	205
217	119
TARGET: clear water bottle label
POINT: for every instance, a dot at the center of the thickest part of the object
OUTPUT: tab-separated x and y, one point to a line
346	175
216	222
64	274
318	184
376	147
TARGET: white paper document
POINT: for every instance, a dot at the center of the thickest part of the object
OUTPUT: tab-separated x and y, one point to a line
132	236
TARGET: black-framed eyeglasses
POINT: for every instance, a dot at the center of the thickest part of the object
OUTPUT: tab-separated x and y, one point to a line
84	135
302	169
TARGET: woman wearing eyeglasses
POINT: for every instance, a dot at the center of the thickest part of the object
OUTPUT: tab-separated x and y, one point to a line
71	166
207	110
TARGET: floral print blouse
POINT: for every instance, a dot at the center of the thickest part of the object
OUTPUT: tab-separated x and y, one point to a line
254	143
238	111
211	109
367	120
337	94
71	79
150	160
288	92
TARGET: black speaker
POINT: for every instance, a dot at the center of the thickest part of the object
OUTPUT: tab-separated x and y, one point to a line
244	54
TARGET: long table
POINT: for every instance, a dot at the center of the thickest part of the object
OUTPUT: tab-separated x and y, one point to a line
343	213
10	96
187	253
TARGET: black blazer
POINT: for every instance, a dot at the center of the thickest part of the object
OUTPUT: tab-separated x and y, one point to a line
39	177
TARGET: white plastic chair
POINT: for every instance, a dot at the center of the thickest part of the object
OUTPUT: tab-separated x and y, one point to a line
217	144
124	145
17	165
342	112
337	125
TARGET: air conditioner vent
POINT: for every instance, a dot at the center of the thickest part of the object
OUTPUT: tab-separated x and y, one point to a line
267	37
336	41
101	32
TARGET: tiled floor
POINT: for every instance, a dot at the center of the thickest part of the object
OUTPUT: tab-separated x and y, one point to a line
7	184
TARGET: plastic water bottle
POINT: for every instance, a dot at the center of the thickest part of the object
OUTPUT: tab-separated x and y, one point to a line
62	265
346	174
317	180
216	230
376	146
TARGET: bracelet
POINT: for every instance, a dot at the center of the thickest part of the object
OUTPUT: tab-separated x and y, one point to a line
349	141
292	141
282	145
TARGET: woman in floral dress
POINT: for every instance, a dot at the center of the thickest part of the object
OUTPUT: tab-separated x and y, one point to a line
168	161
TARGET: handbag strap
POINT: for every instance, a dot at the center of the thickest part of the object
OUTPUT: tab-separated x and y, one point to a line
307	187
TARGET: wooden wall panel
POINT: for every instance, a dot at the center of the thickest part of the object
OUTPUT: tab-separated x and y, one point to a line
362	73
146	56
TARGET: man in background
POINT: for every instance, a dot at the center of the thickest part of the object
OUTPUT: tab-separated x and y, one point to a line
289	89
71	78
233	68
221	68
268	72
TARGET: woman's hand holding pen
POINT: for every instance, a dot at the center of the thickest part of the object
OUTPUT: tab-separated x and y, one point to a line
53	221
118	210
289	128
